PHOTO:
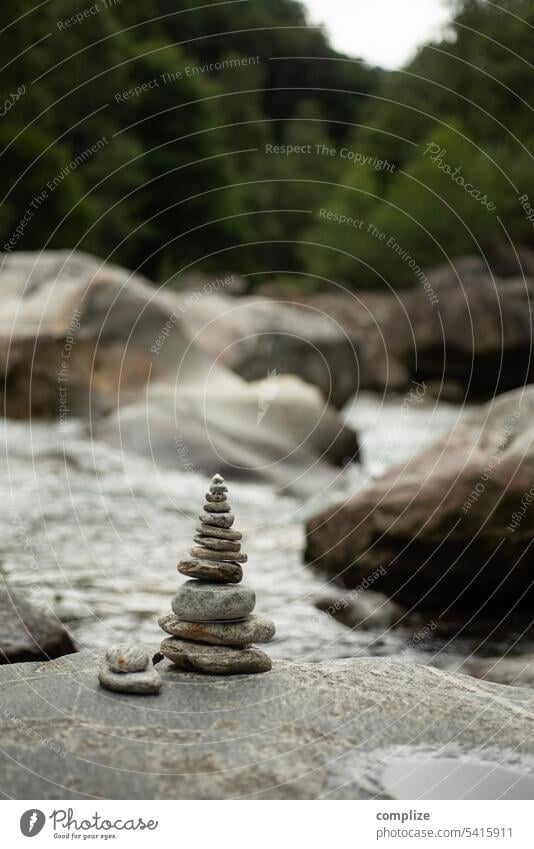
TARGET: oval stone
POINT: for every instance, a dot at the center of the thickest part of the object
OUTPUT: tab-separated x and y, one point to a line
219	533
219	572
199	601
217	520
215	660
220	507
217	544
141	683
124	657
253	629
205	553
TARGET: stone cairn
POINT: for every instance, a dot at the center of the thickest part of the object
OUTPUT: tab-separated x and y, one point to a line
212	627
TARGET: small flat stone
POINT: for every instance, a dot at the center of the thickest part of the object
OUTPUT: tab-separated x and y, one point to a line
215	660
219	533
125	657
217	544
200	601
217	479
215	498
140	683
218	489
207	554
219	572
253	629
218	507
222	520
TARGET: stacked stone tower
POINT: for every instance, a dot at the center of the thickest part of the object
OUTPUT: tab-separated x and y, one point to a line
212	626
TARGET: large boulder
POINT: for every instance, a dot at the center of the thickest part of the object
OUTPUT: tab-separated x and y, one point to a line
302	731
451	528
86	339
257	337
465	328
28	634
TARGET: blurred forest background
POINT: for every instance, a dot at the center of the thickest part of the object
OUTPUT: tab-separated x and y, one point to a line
181	178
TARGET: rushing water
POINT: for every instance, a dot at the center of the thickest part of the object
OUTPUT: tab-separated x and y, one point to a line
94	536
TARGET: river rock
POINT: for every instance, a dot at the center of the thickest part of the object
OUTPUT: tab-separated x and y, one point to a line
253	629
224	520
143	683
217	507
216	571
126	657
27	633
206	554
215	499
219	533
217	544
214	659
198	601
450	528
275	736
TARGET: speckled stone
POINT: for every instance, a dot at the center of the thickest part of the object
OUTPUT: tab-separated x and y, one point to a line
206	554
217	507
215	498
141	683
217	544
218	489
125	657
214	660
253	629
219	533
222	520
199	601
217	571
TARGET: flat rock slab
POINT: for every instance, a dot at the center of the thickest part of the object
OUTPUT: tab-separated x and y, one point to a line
200	601
145	683
302	731
218	572
254	629
215	660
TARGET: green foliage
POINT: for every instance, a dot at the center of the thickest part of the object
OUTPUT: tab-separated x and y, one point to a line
460	111
170	184
232	137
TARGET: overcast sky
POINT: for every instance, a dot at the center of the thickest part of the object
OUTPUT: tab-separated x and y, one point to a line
384	32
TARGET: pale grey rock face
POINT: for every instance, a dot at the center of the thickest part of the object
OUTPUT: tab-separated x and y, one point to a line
125	657
198	601
217	544
219	533
207	554
253	629
143	683
215	660
304	731
216	571
223	520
